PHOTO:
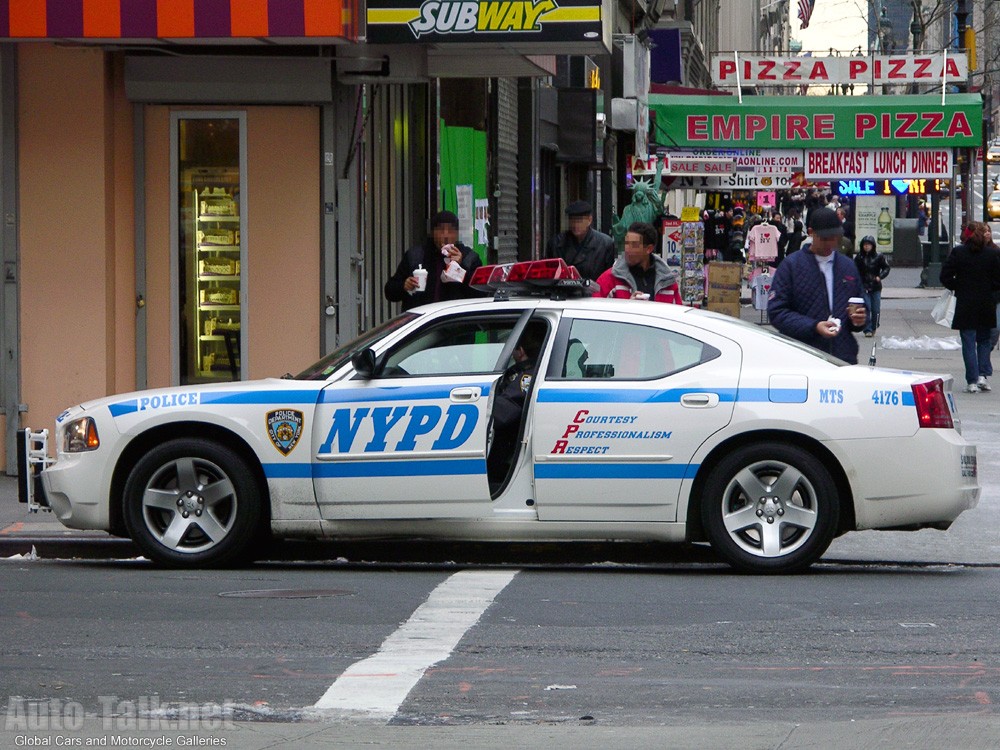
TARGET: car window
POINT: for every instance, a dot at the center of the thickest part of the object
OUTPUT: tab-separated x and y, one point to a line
451	347
341	356
607	350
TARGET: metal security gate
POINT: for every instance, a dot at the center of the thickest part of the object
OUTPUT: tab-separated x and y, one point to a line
396	197
505	208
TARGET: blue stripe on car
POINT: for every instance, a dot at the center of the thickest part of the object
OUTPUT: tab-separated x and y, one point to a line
328	396
615	471
672	395
391	468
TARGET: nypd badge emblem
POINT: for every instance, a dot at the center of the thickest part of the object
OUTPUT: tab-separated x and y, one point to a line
284	427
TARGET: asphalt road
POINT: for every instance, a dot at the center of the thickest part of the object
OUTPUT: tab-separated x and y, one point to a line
889	642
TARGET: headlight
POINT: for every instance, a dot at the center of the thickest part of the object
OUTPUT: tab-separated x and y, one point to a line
80	435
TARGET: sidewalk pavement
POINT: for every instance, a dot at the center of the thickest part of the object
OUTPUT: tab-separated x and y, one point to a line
905	316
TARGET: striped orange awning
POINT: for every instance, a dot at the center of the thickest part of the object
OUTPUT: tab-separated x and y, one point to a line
174	19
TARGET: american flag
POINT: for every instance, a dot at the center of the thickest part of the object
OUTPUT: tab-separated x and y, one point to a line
805	12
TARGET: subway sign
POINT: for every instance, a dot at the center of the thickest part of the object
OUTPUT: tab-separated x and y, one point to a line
818	122
464	21
889	187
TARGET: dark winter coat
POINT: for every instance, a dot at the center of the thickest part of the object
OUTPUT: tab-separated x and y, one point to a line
798	301
873	267
973	274
429	256
592	257
795	238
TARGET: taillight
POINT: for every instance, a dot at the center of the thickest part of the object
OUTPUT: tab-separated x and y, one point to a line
932	404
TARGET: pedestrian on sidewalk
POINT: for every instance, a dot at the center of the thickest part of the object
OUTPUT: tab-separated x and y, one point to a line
972	272
811	288
873	267
589	251
640	272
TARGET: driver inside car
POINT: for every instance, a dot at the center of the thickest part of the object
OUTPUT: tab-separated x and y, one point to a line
508	404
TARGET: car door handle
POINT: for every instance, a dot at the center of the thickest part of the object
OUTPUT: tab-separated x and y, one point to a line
466	394
700	400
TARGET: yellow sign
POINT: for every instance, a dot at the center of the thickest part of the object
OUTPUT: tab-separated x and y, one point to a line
690	213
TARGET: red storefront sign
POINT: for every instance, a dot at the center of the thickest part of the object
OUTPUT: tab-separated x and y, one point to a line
846	164
778	70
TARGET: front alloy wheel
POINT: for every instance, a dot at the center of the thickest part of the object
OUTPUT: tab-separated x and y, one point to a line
193	502
770	508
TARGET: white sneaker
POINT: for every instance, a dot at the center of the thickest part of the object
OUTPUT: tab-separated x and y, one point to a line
984	384
972	388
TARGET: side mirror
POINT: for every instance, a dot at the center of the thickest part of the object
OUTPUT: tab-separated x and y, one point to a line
364	363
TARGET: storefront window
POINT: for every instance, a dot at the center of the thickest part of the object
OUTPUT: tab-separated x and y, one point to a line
210	254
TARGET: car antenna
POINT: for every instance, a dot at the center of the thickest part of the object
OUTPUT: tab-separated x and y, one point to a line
871	359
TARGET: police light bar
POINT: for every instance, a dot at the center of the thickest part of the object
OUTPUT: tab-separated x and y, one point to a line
531	277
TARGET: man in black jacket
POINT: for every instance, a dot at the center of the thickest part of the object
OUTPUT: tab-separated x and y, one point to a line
402	285
592	252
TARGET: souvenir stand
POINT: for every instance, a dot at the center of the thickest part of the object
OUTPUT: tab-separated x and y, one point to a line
692	281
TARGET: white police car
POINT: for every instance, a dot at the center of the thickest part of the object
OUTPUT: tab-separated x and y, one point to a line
641	421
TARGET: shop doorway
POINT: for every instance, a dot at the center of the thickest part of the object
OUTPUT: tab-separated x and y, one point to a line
208	171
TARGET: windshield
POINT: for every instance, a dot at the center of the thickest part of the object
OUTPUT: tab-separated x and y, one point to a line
339	357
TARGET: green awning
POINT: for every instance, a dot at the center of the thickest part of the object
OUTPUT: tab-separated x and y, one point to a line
815	122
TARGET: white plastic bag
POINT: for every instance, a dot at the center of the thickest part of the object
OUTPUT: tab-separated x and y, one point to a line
944	309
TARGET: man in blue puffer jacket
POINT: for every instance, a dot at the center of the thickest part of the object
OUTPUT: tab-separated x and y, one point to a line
811	287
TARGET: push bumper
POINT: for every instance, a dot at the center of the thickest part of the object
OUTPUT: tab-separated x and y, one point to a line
32	458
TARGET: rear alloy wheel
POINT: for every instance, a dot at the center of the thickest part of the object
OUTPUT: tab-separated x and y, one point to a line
771	508
193	503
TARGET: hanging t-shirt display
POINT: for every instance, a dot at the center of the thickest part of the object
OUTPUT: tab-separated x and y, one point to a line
762	243
716	233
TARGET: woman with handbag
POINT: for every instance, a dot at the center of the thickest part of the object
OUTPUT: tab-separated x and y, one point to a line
972	271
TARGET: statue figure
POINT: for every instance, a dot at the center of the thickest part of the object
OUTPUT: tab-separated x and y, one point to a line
646	205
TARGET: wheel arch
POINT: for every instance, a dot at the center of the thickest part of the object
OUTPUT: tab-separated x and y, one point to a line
142	443
695	529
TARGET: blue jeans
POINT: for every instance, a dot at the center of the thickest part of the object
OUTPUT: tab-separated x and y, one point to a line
976	353
873	301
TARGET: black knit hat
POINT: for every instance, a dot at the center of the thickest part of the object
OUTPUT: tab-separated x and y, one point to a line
444	217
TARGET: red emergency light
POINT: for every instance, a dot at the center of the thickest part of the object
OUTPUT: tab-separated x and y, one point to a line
531	277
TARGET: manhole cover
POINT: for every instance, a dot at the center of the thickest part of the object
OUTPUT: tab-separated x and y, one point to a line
286	593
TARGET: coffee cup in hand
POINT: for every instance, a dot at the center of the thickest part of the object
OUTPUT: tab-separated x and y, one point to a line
854	304
420	274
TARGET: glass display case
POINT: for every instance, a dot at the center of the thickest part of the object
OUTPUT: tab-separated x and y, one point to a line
217	281
211	252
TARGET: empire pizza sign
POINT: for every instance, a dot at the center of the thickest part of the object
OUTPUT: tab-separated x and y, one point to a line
777	70
787	122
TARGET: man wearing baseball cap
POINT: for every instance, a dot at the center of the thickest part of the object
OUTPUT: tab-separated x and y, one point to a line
581	245
810	290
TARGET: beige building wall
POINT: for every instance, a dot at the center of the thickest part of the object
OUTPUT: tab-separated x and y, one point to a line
75	231
283	240
76	234
283	202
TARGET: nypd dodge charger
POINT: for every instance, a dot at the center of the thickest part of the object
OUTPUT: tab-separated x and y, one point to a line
540	414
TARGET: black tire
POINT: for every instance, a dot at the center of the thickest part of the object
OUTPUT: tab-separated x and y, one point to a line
770	508
192	503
